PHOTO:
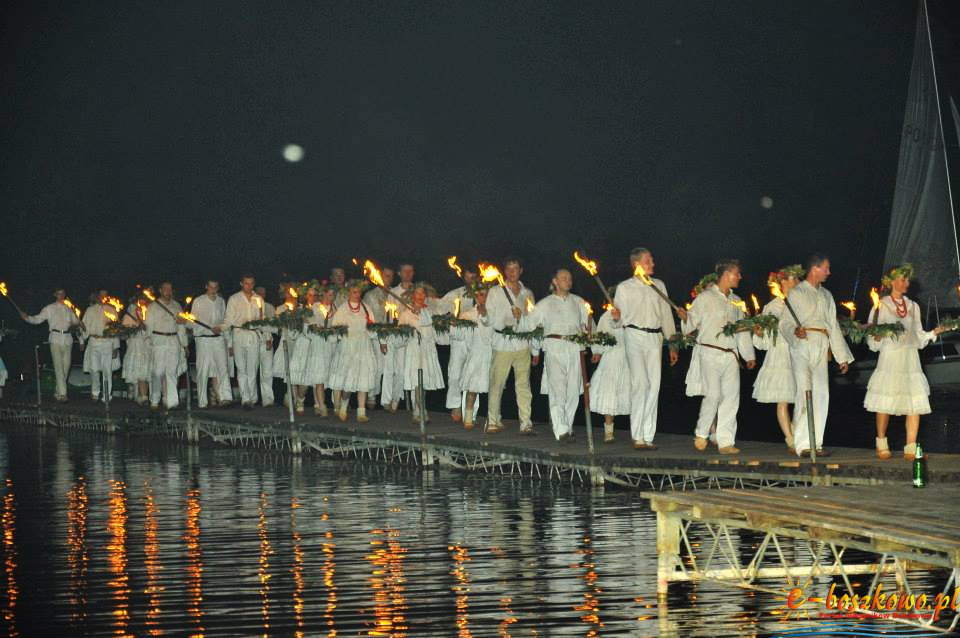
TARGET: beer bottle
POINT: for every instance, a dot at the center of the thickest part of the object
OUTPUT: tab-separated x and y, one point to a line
919	468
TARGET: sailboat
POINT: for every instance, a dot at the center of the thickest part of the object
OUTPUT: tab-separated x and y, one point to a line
923	228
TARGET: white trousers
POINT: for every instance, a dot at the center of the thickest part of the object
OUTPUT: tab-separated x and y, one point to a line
166	368
246	356
60	353
721	396
809	375
458	354
212	364
392	388
101	363
266	374
564	384
644	359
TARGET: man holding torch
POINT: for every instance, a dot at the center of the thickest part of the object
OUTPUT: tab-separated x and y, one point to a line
506	305
168	343
60	320
104	351
648	320
376	299
212	363
456	301
244	306
811	329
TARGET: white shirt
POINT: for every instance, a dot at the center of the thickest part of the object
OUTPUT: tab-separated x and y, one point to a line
710	312
559	316
209	311
640	306
95	319
914	337
59	319
240	310
374	299
159	321
449	300
500	316
815	308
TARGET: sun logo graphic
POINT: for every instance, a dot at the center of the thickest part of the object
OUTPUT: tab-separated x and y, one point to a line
795	601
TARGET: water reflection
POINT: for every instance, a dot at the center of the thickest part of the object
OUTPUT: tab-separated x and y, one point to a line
151	561
329	576
77	557
387	582
263	571
8	523
194	567
297	569
461	589
116	549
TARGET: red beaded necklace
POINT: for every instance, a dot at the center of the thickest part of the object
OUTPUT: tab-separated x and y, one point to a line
352	309
900	306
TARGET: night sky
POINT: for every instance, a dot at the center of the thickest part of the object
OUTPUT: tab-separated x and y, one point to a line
143	140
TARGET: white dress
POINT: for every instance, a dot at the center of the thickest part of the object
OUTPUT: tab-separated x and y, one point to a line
312	354
422	351
355	367
475	373
774	382
898	386
137	364
610	384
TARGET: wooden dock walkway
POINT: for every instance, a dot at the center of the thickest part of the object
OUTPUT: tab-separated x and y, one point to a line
675	465
802	534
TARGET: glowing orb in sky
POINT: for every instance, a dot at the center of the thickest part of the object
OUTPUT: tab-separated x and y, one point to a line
766	202
293	152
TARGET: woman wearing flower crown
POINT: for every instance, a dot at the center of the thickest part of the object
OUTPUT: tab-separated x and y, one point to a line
774	382
897	386
355	366
421	349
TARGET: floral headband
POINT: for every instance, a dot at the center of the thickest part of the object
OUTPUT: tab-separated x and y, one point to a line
793	270
903	270
704	283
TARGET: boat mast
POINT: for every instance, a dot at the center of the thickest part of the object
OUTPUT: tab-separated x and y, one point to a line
943	139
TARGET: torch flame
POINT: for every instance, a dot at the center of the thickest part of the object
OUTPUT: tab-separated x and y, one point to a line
688	305
149	295
109	315
142	307
608	306
530	305
370	270
257	300
756	302
452	262
852	307
740	304
390	309
188	316
69	304
489	272
323	310
355	262
875	298
3	288
456	307
588	265
188	299
776	290
113	301
288	305
586	304
642	274
292	292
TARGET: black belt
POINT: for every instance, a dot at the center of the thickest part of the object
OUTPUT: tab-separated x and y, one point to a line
63	332
165	334
205	336
649	330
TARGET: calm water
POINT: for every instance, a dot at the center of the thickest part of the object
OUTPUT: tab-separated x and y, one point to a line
103	536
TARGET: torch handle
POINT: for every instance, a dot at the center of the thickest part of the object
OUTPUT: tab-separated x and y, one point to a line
603	288
664	297
397	297
792	312
19	309
506	291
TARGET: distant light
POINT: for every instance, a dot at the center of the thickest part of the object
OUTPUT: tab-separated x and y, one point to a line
766	202
293	152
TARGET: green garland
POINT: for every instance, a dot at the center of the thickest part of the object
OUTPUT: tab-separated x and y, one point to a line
857	332
793	270
950	324
679	341
386	330
704	283
443	323
904	270
510	333
762	324
119	331
477	286
289	320
587	339
328	332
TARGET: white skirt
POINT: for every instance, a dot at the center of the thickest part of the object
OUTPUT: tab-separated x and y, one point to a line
898	386
475	374
137	362
310	360
432	373
610	384
774	382
355	367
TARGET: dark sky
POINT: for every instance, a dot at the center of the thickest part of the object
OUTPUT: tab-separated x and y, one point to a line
143	140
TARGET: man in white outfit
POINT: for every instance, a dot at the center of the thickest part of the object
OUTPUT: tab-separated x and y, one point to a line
719	357
244	306
104	351
561	314
810	344
168	343
210	308
266	350
457	300
60	320
647	321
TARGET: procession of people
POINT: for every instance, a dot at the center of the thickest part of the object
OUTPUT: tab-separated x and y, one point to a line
368	339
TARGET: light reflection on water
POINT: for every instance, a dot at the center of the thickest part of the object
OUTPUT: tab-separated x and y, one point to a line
106	535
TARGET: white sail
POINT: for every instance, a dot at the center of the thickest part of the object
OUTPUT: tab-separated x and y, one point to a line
922	224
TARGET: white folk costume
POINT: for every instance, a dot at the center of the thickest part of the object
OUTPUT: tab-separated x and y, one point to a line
314	356
458	345
245	341
211	348
610	384
394	361
562	380
374	299
60	319
715	363
509	354
104	352
168	341
421	352
475	374
137	360
898	386
647	321
266	356
774	382
817	313
355	366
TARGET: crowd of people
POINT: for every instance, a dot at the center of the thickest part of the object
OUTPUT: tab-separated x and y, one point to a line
501	329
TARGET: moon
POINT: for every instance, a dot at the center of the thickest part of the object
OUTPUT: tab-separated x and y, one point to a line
766	202
293	152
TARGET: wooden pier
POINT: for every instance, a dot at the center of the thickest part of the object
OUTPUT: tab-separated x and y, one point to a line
675	465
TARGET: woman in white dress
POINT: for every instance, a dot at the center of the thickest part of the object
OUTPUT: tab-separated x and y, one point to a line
897	386
774	382
355	366
307	365
287	339
610	383
475	373
321	350
421	350
137	361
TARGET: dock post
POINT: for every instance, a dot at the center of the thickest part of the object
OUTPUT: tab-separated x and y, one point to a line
668	550
296	443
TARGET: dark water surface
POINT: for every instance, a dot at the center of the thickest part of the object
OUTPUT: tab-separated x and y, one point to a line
113	537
